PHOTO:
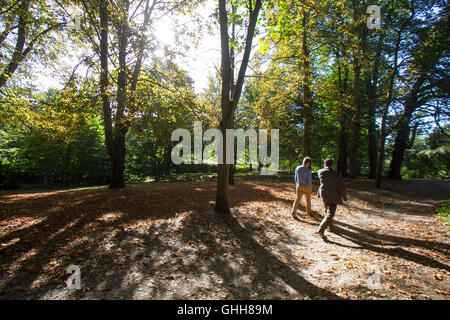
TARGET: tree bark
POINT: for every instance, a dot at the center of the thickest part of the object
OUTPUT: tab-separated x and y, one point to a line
361	32
342	148
233	166
232	67
20	51
120	128
222	197
307	95
17	55
115	135
402	141
373	86
230	98
372	147
380	156
117	179
104	82
342	118
67	164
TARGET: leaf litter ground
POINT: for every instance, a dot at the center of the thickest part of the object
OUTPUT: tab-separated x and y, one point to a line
162	241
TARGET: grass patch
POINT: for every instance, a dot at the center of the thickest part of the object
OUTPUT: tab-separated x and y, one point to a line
444	213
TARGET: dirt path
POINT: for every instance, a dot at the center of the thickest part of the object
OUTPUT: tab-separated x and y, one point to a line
161	241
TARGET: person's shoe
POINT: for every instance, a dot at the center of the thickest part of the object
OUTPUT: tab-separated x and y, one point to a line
320	233
293	215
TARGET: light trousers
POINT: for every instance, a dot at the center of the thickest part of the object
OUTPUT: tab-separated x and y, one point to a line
303	190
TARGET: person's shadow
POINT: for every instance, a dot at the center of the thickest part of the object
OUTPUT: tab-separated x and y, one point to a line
385	244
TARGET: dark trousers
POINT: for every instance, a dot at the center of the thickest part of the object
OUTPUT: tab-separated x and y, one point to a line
330	210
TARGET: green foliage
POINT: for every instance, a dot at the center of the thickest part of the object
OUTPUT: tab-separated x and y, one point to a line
165	102
429	157
444	210
444	213
58	136
53	138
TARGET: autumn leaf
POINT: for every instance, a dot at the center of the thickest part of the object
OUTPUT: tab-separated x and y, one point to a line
437	276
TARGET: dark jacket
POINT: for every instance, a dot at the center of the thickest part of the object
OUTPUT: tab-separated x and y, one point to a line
331	187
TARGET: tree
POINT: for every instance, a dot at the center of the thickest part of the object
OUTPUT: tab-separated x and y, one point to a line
26	26
122	41
231	93
425	78
360	31
162	109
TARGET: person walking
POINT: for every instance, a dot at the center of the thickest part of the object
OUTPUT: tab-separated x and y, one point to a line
332	192
303	181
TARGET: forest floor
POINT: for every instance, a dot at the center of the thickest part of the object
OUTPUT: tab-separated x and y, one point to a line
162	241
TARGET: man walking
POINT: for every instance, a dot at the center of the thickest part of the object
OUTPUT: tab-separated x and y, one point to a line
332	192
303	181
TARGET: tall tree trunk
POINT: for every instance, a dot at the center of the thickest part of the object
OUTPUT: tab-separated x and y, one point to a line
231	178
372	143
222	197
104	83
21	51
380	156
356	124
383	134
115	135
117	179
67	164
361	31
307	95
342	118
372	92
230	98
223	171
232	67
233	166
402	141
17	55
342	148
120	129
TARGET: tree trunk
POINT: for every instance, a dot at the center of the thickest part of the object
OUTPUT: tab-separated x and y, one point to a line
342	118
232	62
372	143
380	156
17	55
117	179
230	95
120	129
400	146
360	45
232	170
67	164
20	51
383	134
104	82
372	91
343	147
222	197
356	125
307	95
401	142
115	135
